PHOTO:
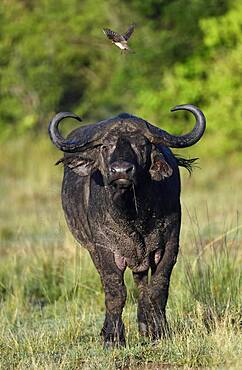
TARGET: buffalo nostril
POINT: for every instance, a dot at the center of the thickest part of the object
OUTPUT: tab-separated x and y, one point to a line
129	169
122	168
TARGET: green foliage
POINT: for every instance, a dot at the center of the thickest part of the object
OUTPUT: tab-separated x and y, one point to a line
55	58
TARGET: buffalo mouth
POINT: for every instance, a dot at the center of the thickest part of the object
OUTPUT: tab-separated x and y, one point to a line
121	183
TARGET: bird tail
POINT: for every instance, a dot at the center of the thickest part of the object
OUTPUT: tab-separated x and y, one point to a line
131	51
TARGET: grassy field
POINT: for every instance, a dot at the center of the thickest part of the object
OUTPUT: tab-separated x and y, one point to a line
51	300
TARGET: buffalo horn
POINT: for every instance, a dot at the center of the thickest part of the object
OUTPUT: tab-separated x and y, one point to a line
90	137
159	136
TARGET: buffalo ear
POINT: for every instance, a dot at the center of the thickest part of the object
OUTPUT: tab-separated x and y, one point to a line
159	168
81	166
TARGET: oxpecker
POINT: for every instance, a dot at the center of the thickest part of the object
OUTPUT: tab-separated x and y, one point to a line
121	41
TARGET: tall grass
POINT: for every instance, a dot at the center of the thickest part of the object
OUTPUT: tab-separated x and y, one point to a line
51	299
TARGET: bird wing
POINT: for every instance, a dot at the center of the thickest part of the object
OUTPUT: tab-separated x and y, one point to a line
129	32
114	36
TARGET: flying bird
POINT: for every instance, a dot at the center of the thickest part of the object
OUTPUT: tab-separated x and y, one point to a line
121	41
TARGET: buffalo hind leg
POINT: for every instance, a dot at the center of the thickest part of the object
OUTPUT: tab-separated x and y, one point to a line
151	305
115	296
153	295
159	288
141	281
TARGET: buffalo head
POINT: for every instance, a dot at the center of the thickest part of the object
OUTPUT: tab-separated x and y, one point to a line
123	148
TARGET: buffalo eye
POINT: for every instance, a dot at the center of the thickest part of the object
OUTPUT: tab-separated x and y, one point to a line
140	148
107	147
139	143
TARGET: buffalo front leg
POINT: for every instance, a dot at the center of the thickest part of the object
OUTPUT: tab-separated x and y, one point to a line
115	296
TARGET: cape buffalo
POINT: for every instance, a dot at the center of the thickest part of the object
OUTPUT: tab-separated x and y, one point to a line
121	198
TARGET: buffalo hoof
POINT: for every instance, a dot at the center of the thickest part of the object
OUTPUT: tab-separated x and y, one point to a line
111	344
154	329
113	339
143	329
160	330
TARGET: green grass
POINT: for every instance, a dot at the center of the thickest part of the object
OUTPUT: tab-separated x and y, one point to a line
51	299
